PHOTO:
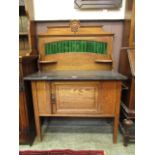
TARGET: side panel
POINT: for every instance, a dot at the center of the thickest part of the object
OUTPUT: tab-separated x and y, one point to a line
43	97
109	97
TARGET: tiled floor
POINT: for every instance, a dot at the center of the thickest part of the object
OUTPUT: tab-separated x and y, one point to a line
83	135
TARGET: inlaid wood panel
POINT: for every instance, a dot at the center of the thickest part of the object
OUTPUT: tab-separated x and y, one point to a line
77	97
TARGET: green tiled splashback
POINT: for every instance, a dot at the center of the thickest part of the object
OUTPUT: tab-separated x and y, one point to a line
76	46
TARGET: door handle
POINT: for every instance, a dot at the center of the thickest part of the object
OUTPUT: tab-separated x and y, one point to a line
53	98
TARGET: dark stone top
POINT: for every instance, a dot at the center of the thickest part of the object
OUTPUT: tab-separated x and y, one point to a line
76	75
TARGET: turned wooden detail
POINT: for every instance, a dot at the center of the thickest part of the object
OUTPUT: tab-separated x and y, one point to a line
127	125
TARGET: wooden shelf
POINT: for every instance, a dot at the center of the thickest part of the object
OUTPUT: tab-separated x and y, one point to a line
104	61
27	58
24	50
48	62
23	33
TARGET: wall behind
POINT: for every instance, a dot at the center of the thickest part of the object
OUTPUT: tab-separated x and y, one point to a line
64	10
59	12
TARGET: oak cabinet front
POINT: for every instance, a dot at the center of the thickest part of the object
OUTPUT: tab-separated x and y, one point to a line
75	98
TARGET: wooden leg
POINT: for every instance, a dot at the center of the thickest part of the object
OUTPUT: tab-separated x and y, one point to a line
126	140
36	113
115	133
127	124
117	110
38	128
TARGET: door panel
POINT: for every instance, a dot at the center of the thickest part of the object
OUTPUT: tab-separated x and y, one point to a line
76	97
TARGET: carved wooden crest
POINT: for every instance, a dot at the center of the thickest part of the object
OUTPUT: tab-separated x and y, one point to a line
74	25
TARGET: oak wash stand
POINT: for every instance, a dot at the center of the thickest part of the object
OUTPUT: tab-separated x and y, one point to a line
76	77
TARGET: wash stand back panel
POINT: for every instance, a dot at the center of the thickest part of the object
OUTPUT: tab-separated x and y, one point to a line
75	48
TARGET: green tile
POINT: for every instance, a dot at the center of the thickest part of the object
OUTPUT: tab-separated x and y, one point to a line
75	46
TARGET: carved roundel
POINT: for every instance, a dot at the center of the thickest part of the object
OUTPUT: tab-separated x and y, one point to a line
74	24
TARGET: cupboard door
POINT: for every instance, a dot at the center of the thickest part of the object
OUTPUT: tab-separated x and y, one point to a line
76	97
